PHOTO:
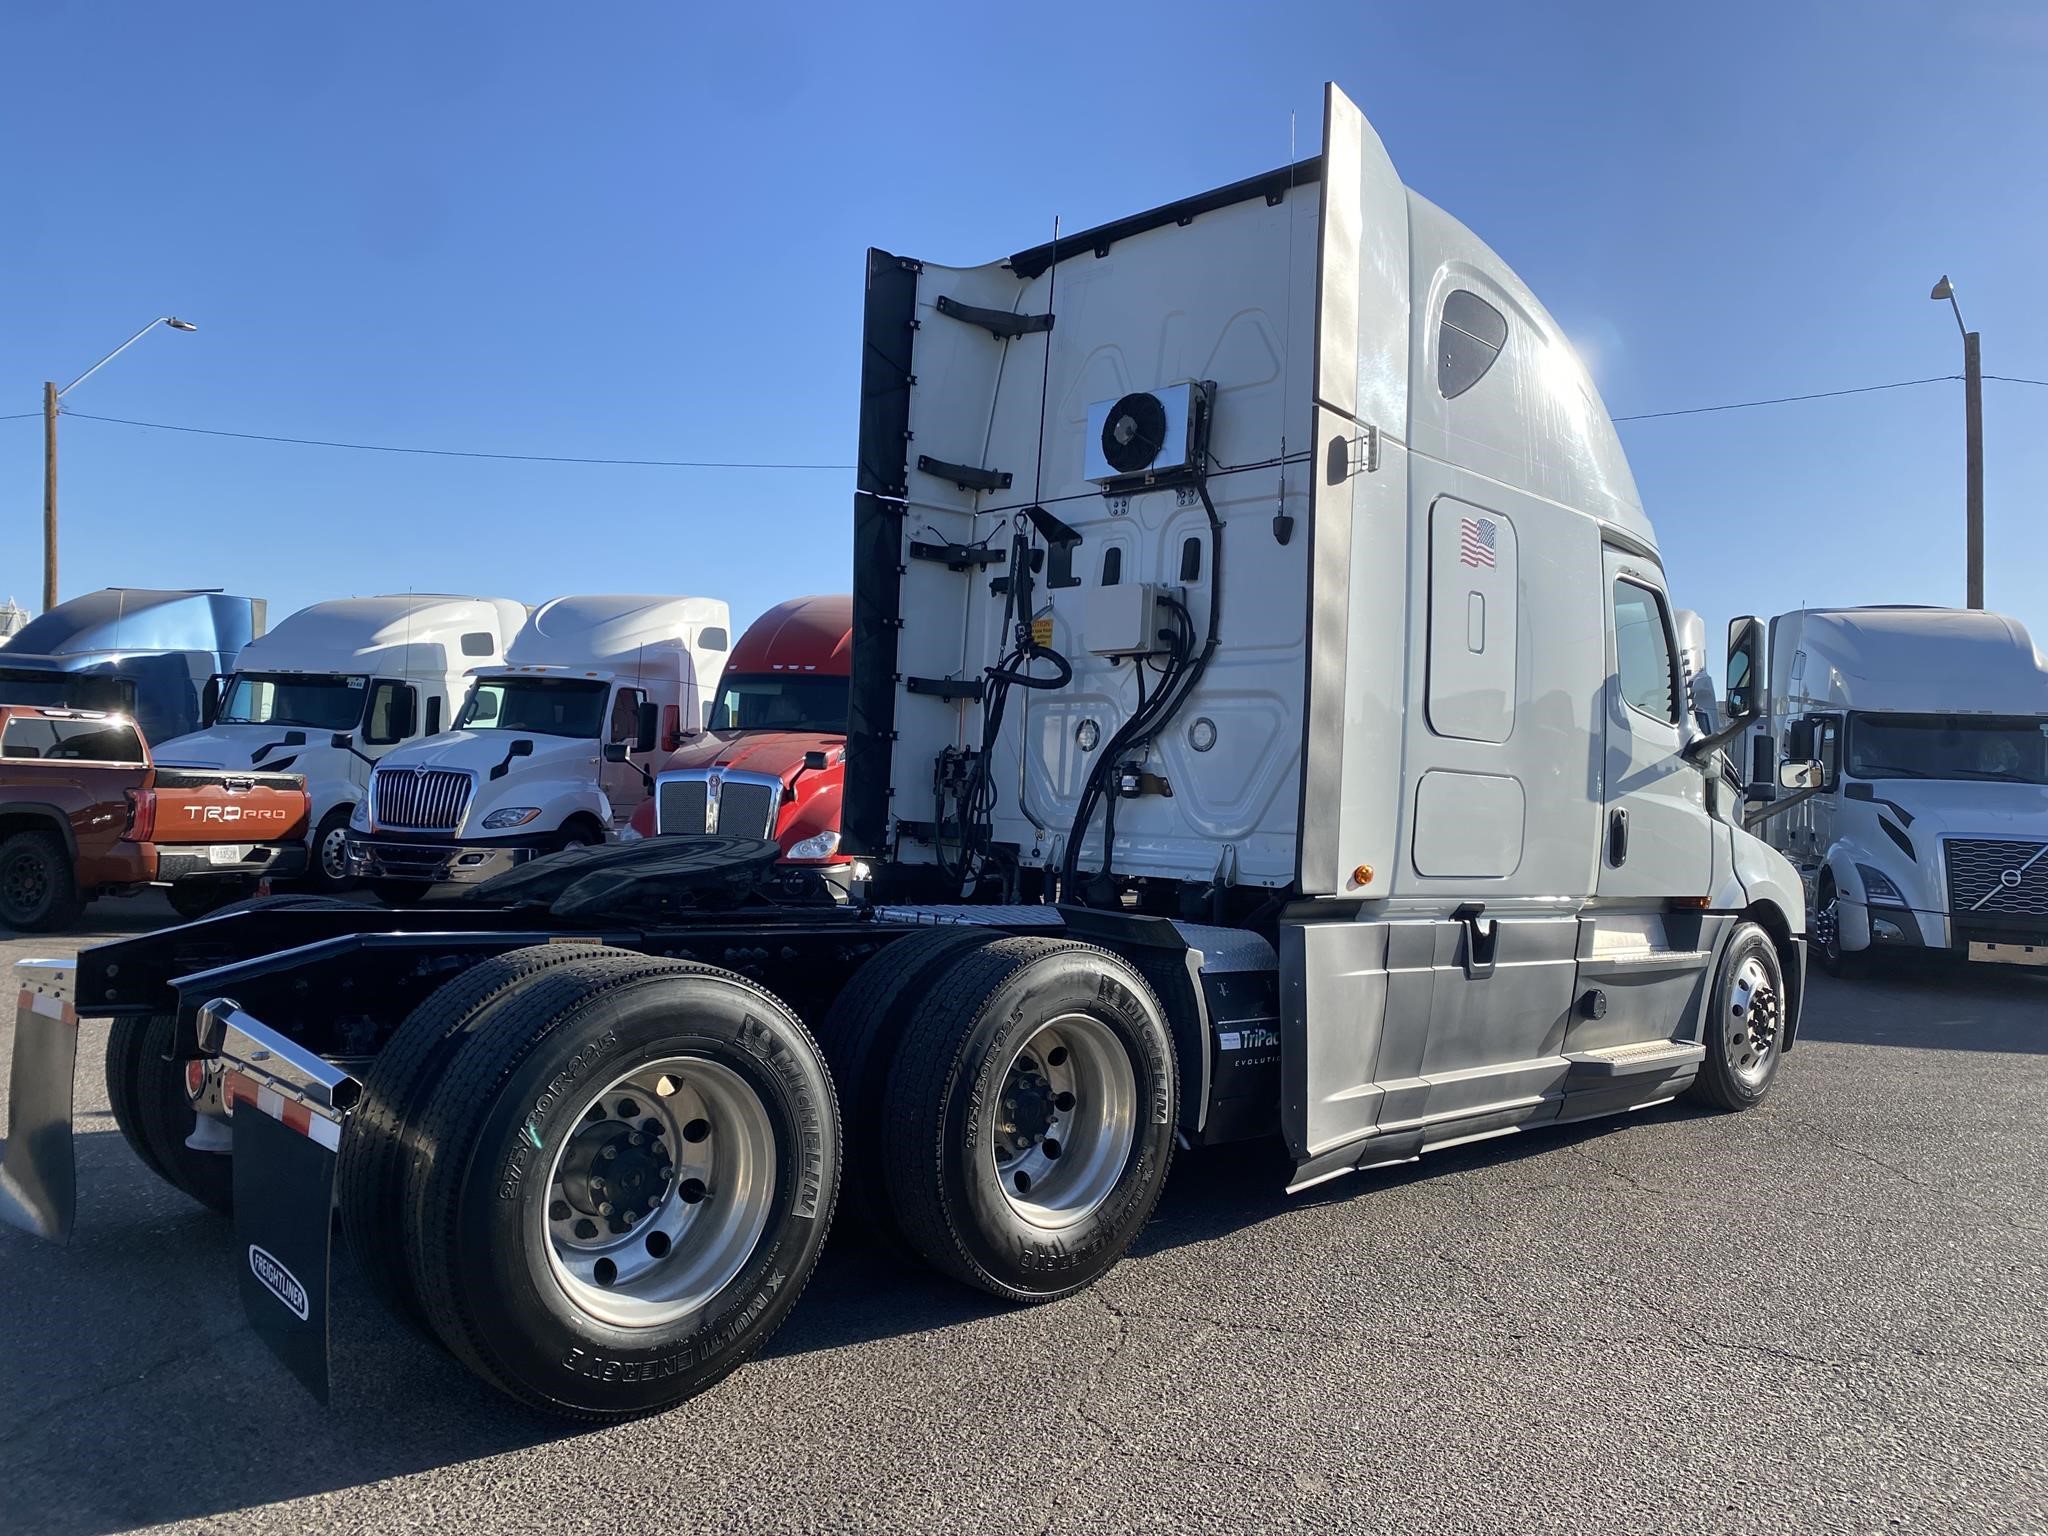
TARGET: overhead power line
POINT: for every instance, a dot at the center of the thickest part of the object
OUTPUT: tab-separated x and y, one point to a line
762	464
1824	394
454	453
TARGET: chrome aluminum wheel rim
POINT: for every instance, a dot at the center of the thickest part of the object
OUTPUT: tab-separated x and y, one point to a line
660	1195
1752	1021
1065	1121
334	853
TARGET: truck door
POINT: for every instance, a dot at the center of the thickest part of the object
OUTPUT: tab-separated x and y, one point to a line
623	786
1657	841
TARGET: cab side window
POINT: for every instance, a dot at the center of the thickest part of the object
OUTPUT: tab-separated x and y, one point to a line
625	725
1643	651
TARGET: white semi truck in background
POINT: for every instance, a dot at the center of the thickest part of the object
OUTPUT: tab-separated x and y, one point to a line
552	747
337	686
1265	719
1932	832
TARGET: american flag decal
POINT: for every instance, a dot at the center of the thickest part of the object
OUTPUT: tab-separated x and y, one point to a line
1476	537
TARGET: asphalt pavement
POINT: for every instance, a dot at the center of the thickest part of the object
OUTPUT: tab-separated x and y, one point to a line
1828	1314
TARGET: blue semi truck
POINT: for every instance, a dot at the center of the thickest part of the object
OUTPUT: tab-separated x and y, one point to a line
148	654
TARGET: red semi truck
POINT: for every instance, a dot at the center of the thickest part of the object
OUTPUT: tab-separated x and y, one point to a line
773	759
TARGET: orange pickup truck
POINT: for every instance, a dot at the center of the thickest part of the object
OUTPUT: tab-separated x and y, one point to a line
84	812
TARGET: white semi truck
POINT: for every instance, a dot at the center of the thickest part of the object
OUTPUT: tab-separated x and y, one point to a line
551	748
336	687
1932	833
1294	745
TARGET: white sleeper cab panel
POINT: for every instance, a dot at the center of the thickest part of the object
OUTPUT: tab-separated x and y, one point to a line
1474	577
1468	825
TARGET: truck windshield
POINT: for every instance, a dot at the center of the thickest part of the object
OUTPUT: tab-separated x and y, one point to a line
320	701
67	690
2009	748
781	703
544	706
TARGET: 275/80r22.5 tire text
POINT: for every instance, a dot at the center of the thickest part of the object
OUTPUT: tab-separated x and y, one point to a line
629	1172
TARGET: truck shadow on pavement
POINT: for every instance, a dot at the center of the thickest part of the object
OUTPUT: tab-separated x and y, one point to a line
1932	1005
133	1392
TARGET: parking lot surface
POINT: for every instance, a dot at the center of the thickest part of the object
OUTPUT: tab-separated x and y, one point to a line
1828	1314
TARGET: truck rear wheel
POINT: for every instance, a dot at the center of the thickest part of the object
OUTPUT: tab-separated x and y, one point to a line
860	1035
1745	1025
371	1168
38	892
124	1088
154	1111
630	1169
1030	1117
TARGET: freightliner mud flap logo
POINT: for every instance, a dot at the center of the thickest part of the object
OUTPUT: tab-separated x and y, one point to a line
279	1281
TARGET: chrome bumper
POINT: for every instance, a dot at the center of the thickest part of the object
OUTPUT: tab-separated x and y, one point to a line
433	863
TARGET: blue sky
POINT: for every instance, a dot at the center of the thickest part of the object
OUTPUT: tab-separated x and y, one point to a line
637	231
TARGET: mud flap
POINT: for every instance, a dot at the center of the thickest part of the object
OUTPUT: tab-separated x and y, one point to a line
38	1174
284	1231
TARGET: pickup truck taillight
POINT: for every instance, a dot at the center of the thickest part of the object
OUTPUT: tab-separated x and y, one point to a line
141	816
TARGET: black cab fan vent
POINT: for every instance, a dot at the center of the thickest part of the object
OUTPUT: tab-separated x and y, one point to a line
1133	433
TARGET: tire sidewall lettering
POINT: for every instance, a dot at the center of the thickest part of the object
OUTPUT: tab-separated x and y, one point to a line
986	1225
536	1330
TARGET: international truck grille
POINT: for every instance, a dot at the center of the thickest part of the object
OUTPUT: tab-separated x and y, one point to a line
738	806
680	806
2005	878
409	801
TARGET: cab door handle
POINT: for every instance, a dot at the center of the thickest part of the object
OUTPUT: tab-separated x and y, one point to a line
1617	837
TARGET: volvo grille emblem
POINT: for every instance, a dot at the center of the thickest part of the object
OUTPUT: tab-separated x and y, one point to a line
2009	878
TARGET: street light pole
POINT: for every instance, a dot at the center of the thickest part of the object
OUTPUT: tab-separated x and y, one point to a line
49	495
51	395
1973	441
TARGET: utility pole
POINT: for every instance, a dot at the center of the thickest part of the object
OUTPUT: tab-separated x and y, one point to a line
1973	419
1973	444
49	495
51	396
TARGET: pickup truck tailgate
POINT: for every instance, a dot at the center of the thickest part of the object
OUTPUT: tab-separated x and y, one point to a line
202	805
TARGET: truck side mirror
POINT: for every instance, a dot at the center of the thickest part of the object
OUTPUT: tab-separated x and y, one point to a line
1803	775
1745	665
209	701
342	741
647	727
815	760
615	752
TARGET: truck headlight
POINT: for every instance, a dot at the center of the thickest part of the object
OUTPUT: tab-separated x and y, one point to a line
1878	889
359	818
820	845
510	816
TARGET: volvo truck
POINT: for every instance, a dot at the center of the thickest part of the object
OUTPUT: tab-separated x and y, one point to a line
1289	742
551	749
135	651
772	761
1931	836
337	686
